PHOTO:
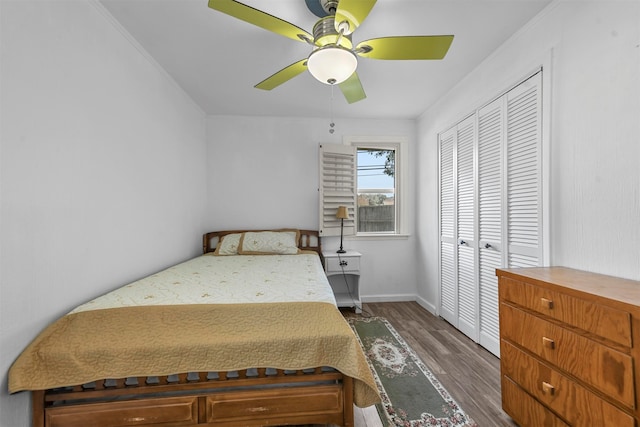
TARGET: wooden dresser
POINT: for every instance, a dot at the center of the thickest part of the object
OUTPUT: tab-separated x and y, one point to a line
569	343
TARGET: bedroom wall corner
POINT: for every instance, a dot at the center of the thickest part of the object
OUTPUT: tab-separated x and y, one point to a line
102	169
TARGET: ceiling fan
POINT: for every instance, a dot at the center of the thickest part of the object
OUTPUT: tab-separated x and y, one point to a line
334	58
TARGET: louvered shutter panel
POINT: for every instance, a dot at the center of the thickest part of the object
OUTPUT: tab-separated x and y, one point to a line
465	171
337	187
490	140
448	285
524	207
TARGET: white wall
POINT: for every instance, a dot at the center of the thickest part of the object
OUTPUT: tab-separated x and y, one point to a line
105	167
592	53
263	173
102	170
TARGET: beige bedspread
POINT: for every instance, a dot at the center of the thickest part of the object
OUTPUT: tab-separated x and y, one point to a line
163	340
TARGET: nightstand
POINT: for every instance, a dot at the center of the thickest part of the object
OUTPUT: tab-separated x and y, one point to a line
343	272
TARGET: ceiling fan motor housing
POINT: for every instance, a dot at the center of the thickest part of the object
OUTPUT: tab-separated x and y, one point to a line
324	33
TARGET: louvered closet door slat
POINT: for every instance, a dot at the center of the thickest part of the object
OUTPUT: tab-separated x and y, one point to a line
337	188
523	173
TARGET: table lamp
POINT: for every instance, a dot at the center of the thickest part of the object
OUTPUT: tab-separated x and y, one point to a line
342	214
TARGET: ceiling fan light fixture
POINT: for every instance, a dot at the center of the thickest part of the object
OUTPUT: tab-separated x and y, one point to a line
332	64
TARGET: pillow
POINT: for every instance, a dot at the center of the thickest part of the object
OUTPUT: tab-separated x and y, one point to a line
269	242
292	230
228	245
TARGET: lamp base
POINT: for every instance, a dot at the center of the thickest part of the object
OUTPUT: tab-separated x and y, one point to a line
341	251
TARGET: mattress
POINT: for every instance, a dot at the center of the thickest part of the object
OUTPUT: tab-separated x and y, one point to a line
235	279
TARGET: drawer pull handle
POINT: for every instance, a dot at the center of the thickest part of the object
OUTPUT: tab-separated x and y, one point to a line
343	263
549	343
547	303
548	388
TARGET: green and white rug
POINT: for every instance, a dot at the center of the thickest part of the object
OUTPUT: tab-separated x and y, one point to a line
411	394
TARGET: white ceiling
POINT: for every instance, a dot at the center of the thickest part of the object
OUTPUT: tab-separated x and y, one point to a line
217	59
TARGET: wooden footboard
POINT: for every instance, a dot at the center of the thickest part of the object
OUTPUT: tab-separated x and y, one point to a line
253	397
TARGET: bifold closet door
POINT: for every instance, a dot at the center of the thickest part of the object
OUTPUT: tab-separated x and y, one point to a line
491	131
458	294
466	229
448	307
523	179
490	207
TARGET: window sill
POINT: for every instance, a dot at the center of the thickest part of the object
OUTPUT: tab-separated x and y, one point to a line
374	236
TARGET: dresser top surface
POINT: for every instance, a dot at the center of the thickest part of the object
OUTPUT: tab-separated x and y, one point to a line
610	287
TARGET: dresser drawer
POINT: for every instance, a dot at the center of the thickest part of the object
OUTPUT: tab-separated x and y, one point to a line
521	406
349	265
605	322
608	370
574	403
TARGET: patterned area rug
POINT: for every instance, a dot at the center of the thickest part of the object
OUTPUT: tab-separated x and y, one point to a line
411	395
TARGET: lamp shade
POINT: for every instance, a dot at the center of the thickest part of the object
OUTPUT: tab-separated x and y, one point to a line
332	64
342	212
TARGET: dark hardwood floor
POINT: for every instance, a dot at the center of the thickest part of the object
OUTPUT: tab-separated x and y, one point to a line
469	372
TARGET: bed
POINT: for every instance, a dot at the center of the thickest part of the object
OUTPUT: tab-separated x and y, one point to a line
246	334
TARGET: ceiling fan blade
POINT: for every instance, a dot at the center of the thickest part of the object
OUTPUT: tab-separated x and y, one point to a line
284	75
354	12
352	89
261	19
405	47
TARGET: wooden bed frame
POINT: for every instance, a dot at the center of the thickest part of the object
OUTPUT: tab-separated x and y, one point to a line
253	397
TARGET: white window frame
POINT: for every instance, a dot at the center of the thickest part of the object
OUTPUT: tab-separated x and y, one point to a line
399	145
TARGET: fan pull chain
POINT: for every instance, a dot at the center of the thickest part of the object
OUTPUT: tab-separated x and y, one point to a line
331	124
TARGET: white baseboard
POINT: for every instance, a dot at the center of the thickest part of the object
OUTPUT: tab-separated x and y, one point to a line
388	298
427	305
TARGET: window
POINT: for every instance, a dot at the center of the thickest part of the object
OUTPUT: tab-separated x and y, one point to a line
365	174
376	190
381	170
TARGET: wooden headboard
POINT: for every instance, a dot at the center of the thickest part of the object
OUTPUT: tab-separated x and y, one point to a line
309	240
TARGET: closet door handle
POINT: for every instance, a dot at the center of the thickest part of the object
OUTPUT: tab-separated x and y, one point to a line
463	242
487	245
